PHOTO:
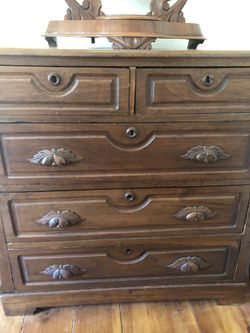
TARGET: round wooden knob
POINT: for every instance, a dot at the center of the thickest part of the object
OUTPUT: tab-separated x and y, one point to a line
54	79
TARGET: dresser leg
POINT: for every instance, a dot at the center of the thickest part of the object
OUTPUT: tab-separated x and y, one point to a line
52	41
193	43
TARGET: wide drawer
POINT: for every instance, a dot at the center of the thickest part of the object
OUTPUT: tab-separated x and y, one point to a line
127	263
195	90
109	151
60	91
112	213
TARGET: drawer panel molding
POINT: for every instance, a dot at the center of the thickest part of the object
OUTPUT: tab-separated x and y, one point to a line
129	263
192	90
64	91
106	151
76	215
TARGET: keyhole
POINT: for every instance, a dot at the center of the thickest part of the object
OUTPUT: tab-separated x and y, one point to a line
128	252
132	132
129	196
54	79
208	80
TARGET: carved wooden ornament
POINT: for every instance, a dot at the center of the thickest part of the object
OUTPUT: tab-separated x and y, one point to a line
89	10
60	219
189	264
205	154
55	157
195	214
59	272
162	9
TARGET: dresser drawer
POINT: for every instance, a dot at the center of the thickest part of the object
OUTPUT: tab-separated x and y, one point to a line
108	151
133	213
127	263
191	90
60	91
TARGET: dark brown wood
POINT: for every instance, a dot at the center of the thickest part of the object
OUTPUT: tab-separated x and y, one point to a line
186	90
126	264
125	31
21	302
131	169
80	90
6	282
118	154
154	212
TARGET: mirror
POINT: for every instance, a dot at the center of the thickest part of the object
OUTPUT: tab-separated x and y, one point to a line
133	7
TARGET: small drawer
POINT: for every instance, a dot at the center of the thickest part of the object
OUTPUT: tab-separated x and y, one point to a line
119	151
63	91
189	91
131	213
126	263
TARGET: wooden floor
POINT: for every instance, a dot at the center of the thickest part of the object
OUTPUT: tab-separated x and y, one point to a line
185	317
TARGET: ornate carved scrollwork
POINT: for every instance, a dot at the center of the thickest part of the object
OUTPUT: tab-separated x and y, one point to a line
206	154
131	43
89	10
195	214
189	264
162	9
55	157
59	272
60	219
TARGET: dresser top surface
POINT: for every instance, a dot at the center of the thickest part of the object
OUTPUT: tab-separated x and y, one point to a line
138	58
121	53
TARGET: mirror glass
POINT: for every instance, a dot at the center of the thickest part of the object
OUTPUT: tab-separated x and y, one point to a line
139	7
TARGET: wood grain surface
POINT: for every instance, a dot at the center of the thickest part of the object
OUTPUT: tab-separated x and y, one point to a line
172	317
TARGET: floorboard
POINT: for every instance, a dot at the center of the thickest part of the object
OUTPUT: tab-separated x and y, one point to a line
158	317
171	317
10	324
219	319
96	319
50	321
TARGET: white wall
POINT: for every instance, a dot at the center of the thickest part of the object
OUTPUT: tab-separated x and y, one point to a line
225	23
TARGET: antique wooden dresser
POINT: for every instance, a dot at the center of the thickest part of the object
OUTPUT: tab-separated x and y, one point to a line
124	177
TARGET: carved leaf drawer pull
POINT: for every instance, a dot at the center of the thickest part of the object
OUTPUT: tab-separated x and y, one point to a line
55	157
206	154
60	219
59	272
195	214
189	264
